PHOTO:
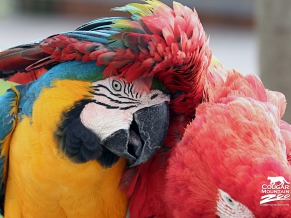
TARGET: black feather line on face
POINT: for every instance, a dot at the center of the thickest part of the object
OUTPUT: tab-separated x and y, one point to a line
79	143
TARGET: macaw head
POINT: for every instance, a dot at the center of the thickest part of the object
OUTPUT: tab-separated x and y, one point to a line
99	119
232	159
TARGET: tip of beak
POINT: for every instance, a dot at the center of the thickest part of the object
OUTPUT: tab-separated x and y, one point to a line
145	155
144	137
127	155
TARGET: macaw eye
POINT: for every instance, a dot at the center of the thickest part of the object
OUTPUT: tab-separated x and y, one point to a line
229	200
116	85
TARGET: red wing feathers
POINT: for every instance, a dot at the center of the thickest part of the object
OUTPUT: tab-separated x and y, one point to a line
27	63
27	77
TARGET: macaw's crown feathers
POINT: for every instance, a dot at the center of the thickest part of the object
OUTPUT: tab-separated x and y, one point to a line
169	44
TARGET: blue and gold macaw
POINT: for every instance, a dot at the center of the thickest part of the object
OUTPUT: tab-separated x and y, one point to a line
81	115
62	136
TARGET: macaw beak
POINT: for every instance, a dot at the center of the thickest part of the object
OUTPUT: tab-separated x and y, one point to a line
144	137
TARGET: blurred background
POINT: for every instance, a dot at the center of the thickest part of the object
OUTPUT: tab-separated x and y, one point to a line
244	34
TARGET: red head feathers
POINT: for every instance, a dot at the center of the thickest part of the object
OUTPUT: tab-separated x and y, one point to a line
162	42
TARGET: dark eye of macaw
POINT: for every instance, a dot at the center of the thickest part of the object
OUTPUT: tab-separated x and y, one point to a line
229	200
116	85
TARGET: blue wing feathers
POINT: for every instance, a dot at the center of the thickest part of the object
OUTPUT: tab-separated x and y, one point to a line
101	36
101	23
6	117
8	113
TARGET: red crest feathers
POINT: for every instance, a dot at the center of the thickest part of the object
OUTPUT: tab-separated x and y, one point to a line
173	47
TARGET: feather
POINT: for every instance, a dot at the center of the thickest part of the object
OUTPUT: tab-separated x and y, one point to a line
137	10
15	59
179	27
102	23
285	129
127	26
100	36
226	147
9	110
25	78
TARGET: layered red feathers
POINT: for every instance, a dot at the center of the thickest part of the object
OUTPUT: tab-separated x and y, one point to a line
236	141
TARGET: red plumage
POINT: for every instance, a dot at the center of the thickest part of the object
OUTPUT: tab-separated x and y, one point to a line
235	142
285	129
171	45
24	78
26	63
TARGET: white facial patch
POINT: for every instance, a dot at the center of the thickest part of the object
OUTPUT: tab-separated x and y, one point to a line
229	208
114	104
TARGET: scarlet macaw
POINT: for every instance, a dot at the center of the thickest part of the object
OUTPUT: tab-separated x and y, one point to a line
228	152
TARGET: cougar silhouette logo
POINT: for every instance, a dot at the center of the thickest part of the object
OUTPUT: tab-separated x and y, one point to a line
280	179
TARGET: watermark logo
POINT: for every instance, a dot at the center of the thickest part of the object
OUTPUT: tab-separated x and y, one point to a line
277	189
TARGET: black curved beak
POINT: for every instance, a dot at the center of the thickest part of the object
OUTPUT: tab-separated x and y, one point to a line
144	137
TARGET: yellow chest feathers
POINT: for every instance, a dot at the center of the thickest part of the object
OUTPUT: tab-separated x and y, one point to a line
43	182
